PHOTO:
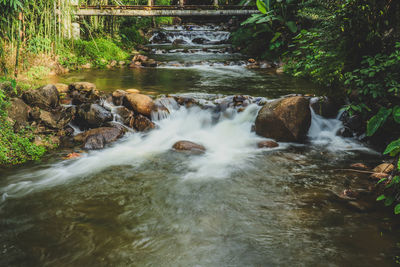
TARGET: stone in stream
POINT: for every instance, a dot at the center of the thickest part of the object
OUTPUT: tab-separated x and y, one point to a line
267	144
57	119
384	168
62	88
99	137
139	103
45	97
83	92
118	97
325	107
92	115
125	116
199	40
188	146
142	123
286	120
177	42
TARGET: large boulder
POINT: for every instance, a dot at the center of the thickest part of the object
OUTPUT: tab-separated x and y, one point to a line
99	137
139	103
18	111
45	97
188	146
286	120
92	116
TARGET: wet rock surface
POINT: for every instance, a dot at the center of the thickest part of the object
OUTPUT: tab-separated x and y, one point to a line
188	146
97	138
286	120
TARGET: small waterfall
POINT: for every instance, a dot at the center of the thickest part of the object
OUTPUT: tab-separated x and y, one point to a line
190	35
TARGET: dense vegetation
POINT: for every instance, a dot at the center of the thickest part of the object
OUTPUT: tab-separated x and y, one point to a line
35	39
351	48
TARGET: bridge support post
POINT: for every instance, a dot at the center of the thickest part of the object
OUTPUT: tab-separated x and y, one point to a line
150	2
181	3
215	2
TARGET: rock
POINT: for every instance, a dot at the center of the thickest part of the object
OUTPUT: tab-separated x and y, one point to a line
268	144
97	138
18	111
285	120
125	116
61	88
189	146
49	142
83	92
251	60
82	86
132	91
72	156
325	107
140	58
384	168
118	97
92	115
177	42
58	119
151	63
279	70
142	123
45	97
354	123
139	103
199	40
360	166
379	175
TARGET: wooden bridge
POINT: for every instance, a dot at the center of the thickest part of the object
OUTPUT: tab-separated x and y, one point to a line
167	11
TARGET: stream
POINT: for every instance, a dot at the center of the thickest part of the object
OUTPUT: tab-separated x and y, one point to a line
139	203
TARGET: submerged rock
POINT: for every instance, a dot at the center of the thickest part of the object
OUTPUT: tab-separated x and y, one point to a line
99	137
139	103
267	144
287	119
45	97
189	146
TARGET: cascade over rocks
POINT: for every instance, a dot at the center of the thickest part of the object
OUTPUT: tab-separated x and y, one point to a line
286	120
139	103
45	97
325	107
188	146
99	137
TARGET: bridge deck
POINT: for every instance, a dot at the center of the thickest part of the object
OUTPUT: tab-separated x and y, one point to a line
165	11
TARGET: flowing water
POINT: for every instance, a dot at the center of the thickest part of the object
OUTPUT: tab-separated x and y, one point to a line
139	203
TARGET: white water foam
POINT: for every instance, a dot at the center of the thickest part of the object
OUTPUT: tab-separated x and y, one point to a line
230	146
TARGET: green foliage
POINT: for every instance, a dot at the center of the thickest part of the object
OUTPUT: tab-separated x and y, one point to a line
314	58
275	26
99	52
15	146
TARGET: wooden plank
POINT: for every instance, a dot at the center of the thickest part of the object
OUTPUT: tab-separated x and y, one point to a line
163	12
